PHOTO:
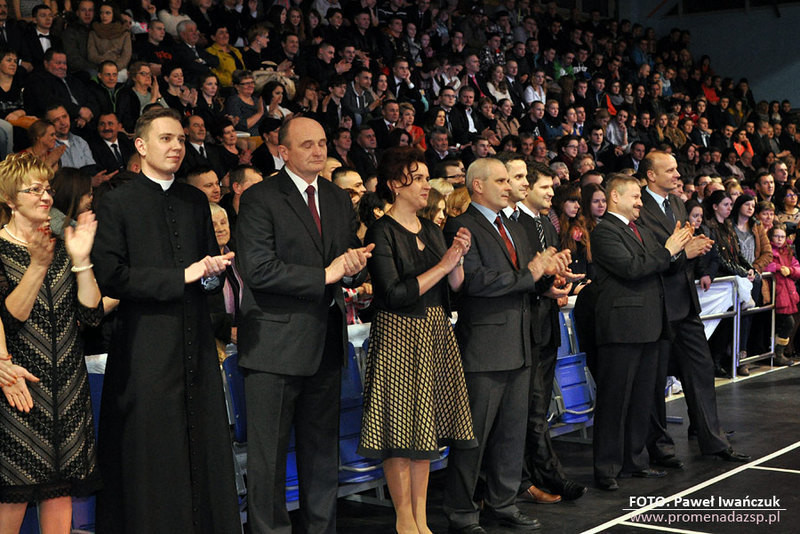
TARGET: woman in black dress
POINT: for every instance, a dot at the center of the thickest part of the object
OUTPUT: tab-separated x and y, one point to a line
415	397
47	287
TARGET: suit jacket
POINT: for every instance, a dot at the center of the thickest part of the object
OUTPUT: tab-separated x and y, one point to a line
282	258
363	162
194	67
629	290
32	50
193	159
493	328
43	89
544	310
104	157
14	38
681	299
459	125
381	132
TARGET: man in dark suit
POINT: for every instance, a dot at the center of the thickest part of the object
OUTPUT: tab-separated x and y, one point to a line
296	240
198	152
194	60
542	469
632	159
390	113
53	85
438	147
401	86
11	36
463	120
363	152
111	151
39	37
688	349
628	262
493	333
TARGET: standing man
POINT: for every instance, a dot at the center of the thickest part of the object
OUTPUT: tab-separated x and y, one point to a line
164	451
688	347
493	332
628	262
296	239
542	469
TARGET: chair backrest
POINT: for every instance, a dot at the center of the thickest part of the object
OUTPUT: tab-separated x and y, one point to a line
565	347
575	386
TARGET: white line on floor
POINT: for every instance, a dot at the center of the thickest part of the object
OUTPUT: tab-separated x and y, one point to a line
723	476
780	470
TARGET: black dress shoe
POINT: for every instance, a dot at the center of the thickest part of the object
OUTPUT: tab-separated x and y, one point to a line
517	521
649	473
671	462
608	484
469	529
719	372
571	490
730	455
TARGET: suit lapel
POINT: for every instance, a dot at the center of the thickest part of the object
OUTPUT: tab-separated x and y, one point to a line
327	202
626	230
654	210
489	227
298	204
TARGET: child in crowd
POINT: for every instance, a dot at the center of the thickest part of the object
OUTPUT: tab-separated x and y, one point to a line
787	271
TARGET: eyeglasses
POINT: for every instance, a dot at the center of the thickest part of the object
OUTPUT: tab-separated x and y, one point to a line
38	190
459	175
573	146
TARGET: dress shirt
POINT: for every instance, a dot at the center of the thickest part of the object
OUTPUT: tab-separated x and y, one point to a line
302	185
491	216
658	198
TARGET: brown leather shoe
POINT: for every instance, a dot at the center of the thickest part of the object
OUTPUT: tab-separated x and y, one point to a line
534	494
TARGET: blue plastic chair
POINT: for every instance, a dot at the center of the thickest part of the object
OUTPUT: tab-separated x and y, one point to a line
565	348
574	388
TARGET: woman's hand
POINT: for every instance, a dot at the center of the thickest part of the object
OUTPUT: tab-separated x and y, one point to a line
17	393
79	240
41	247
459	249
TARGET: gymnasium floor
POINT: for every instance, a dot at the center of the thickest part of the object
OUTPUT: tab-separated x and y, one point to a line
762	410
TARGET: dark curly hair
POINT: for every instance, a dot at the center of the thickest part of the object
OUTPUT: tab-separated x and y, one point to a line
397	165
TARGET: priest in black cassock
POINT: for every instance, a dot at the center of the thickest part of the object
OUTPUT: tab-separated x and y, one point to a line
164	448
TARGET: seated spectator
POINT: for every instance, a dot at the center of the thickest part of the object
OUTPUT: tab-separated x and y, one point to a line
12	112
507	123
364	153
331	109
457	202
196	62
229	57
110	40
487	121
42	135
78	153
406	122
253	55
399	137
348	179
156	50
359	99
39	37
198	152
244	108
111	149
52	85
224	305
267	158
132	99
241	179
172	15
331	164
567	152
76	39
273	97
390	111
341	143
210	104
107	87
177	95
207	181
497	84
442	186
232	153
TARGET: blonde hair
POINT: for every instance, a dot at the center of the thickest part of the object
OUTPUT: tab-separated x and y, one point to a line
16	171
442	186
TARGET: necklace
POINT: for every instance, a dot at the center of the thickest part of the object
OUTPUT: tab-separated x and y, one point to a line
15	238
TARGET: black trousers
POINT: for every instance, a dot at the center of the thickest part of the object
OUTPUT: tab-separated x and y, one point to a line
541	467
310	403
626	375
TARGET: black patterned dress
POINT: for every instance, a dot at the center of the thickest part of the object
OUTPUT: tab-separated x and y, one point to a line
49	452
415	396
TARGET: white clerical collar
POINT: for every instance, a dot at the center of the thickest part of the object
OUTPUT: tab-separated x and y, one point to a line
165	184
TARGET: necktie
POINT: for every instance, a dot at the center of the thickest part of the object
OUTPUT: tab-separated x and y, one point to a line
372	158
117	153
71	96
509	245
312	207
540	232
202	152
3	34
668	211
635	230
